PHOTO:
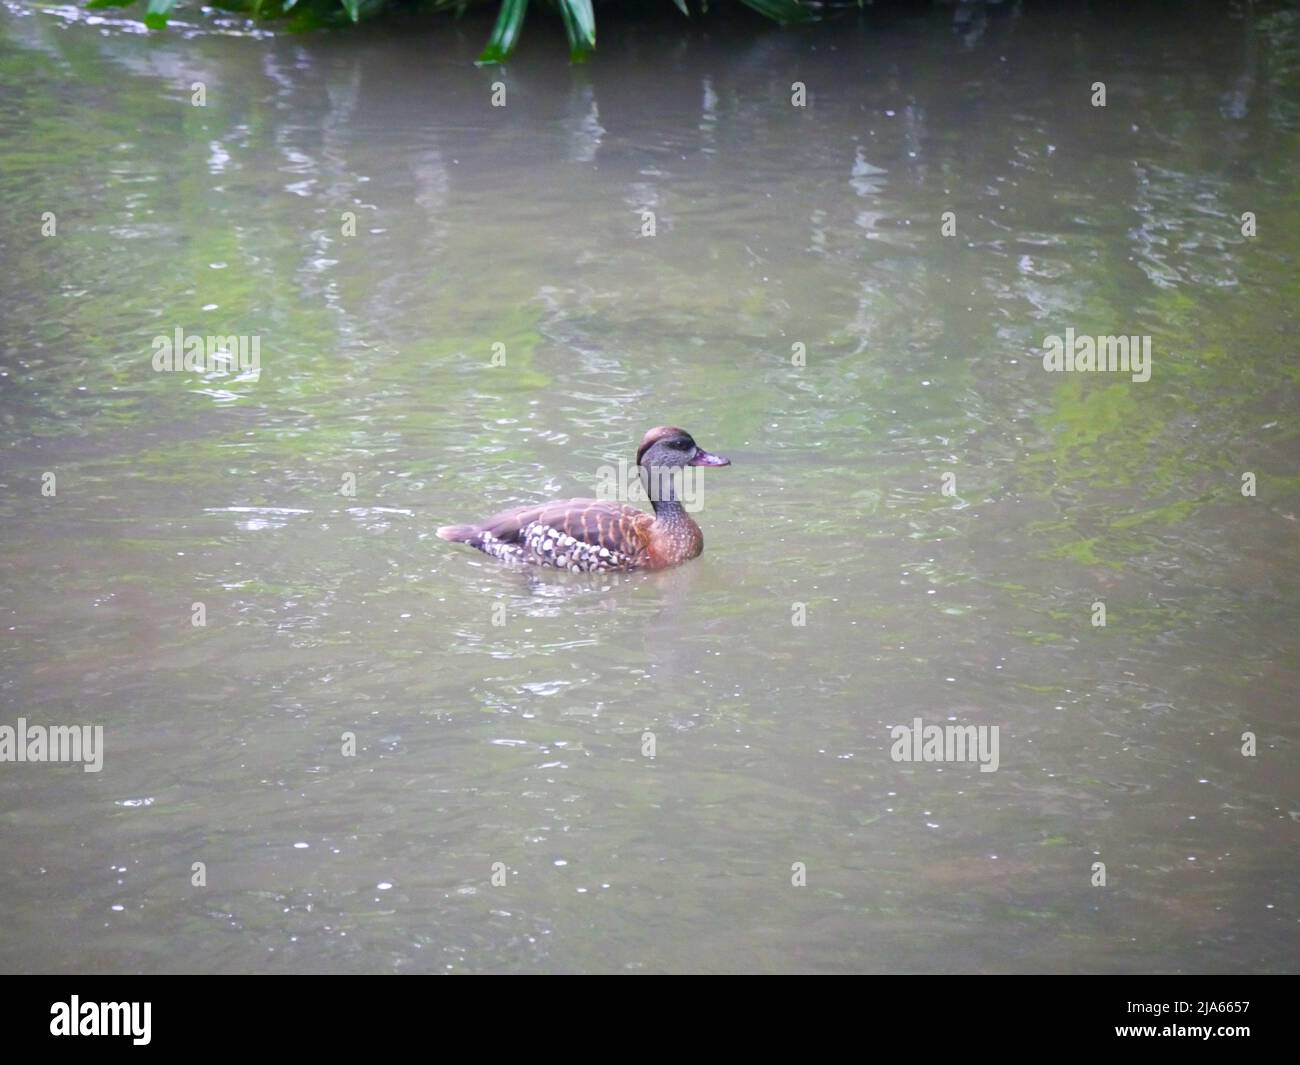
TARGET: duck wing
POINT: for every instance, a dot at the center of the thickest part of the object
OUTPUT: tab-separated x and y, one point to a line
618	528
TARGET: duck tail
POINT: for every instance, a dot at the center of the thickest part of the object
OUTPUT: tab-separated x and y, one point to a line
459	534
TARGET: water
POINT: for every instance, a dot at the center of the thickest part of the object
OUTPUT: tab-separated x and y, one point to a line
522	744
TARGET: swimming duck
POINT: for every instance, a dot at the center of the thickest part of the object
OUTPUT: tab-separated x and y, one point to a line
590	535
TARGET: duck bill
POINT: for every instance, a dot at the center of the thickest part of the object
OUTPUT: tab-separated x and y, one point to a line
705	458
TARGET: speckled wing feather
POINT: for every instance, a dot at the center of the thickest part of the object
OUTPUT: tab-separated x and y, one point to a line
614	526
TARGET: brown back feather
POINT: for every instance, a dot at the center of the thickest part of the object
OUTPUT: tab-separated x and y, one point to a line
602	522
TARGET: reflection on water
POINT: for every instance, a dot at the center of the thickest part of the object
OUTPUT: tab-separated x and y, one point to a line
457	312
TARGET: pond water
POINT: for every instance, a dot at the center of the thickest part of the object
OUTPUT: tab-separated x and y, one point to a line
457	309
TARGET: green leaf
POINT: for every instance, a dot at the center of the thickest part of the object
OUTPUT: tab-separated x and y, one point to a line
505	34
580	25
353	8
156	15
681	6
109	3
783	11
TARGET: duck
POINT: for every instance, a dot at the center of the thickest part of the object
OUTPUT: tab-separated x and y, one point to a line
597	535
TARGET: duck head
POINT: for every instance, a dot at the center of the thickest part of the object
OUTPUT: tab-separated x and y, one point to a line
663	451
668	446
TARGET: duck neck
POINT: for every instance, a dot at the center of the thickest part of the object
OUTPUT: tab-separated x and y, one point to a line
670	512
661	486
